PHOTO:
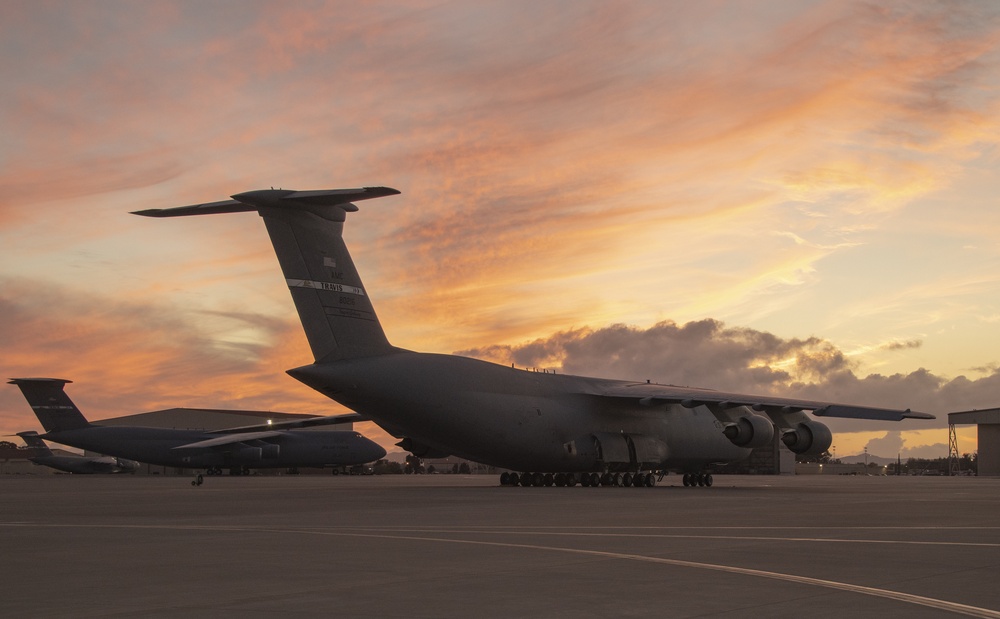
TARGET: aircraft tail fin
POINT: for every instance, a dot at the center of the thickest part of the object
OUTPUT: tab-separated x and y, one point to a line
31	439
306	230
52	406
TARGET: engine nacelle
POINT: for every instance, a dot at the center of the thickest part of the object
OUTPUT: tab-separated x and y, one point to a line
809	438
421	450
750	431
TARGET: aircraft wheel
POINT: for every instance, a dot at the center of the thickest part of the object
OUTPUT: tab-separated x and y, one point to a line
687	479
548	480
585	480
504	479
559	480
570	480
514	479
526	480
701	479
650	480
708	480
627	480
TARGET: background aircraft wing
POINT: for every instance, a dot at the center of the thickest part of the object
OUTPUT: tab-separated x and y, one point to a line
690	397
329	420
229	439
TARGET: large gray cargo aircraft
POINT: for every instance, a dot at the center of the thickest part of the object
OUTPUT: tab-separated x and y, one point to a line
278	445
80	465
547	428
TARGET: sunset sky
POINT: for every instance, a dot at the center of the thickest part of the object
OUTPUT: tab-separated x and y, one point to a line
797	198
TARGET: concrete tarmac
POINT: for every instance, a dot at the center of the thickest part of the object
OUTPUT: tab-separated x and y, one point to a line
461	546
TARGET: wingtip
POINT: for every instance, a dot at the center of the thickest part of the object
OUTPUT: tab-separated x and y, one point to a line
149	212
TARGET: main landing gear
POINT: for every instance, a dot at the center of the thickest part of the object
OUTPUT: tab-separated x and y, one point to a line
698	479
593	480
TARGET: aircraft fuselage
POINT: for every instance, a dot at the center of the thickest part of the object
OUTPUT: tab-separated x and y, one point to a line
157	446
517	419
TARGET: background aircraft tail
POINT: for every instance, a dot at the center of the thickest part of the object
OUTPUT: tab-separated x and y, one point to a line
31	439
306	230
52	406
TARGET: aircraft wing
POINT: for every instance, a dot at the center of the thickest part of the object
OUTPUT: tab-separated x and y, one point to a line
229	439
690	397
329	420
231	436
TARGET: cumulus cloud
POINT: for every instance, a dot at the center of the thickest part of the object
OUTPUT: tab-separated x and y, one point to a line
894	443
707	353
907	345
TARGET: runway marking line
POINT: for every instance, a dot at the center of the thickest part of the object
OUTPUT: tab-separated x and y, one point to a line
564	533
944	605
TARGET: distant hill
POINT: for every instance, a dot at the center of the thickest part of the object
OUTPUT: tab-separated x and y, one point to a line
860	459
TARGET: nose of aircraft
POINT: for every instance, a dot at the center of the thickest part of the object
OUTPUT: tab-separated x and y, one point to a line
373	451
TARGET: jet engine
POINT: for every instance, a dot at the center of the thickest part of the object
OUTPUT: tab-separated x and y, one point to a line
420	450
809	438
750	431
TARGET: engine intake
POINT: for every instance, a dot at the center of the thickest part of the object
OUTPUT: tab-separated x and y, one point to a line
751	431
421	450
808	438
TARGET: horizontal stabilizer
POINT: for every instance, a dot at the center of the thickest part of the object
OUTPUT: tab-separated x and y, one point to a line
209	208
280	198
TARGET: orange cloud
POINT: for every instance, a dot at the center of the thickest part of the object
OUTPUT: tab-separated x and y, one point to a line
561	167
